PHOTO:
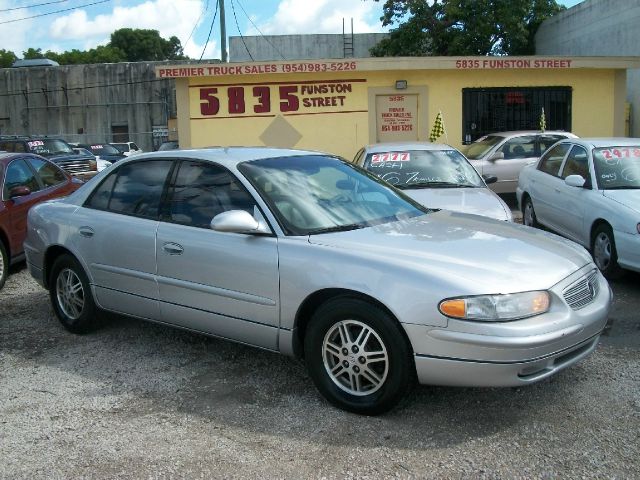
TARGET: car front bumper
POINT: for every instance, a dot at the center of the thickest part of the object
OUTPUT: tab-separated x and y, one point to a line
520	352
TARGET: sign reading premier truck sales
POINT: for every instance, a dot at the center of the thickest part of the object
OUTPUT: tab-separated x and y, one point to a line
274	98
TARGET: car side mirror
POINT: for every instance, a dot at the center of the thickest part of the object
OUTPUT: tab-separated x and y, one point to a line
237	221
575	181
489	179
20	191
496	156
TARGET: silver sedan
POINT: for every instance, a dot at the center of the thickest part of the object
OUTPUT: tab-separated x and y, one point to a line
308	255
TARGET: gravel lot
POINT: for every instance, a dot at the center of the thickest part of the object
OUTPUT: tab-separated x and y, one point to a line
137	400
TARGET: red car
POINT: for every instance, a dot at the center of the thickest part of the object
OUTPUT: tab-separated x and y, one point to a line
25	179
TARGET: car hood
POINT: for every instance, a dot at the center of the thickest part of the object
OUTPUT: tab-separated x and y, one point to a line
628	198
479	201
479	254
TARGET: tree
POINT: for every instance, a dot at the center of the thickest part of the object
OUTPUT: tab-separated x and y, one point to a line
7	58
32	54
463	27
140	45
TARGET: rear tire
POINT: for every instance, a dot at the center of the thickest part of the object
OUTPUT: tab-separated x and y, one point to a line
4	264
529	214
605	256
358	357
71	296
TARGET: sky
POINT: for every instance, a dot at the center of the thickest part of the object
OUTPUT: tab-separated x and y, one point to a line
60	25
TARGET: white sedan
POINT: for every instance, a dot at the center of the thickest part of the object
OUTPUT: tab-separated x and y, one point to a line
588	190
434	175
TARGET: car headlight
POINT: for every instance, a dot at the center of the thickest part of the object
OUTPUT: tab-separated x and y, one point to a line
496	308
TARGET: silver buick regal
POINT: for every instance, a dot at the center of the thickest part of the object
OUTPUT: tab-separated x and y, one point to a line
306	254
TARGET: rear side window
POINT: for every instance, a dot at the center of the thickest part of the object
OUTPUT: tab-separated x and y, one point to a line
547	140
134	189
49	174
519	147
552	160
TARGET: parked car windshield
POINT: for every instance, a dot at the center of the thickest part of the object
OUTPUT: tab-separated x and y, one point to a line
480	147
318	194
104	149
48	147
411	169
121	147
617	168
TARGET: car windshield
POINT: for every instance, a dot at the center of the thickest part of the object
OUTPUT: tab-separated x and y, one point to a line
48	147
104	149
121	147
312	194
411	169
617	168
480	147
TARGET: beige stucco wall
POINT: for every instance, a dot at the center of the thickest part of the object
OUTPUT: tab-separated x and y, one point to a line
348	123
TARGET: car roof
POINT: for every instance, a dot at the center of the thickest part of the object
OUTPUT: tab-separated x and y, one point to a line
598	142
227	156
517	133
388	146
6	157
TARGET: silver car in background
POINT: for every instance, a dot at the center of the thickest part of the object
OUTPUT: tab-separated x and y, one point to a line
505	154
306	254
434	175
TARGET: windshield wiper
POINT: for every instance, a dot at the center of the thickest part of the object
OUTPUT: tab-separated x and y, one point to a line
338	228
433	185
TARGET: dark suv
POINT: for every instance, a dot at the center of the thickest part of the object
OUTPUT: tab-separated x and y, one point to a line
53	149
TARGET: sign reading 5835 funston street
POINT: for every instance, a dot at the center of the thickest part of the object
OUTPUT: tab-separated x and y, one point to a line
271	98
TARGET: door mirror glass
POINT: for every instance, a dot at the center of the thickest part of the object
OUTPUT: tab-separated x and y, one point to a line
489	179
575	181
237	221
496	156
19	191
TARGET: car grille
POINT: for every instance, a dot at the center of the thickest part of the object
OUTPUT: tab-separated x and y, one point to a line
581	293
75	166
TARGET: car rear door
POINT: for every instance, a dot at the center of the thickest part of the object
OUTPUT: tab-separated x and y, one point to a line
518	152
226	284
115	234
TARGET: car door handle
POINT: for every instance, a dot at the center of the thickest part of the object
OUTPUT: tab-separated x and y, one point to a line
173	248
86	231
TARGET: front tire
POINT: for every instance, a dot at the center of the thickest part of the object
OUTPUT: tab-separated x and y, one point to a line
529	214
605	256
358	357
71	296
4	264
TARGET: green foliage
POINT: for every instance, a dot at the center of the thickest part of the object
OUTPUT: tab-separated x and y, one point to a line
7	58
140	45
126	45
463	27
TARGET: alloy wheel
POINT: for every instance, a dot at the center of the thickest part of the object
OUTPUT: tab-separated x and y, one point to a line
70	293
602	250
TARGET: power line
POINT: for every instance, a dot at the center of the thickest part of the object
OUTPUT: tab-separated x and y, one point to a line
53	13
31	6
262	34
215	14
197	22
238	27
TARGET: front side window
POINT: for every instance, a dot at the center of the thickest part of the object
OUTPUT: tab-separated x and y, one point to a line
617	168
134	189
49	174
423	169
481	147
19	174
203	190
577	163
519	147
552	159
313	194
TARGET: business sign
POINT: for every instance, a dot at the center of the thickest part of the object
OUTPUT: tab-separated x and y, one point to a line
256	69
268	99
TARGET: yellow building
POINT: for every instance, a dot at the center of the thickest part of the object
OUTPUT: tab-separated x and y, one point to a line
339	105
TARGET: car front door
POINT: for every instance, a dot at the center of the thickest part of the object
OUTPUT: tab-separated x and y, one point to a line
115	233
518	152
544	183
225	284
571	202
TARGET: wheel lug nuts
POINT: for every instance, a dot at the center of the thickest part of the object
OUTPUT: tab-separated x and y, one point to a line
345	364
356	369
355	349
345	351
362	360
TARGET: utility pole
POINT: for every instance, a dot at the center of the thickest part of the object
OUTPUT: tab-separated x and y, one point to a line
223	33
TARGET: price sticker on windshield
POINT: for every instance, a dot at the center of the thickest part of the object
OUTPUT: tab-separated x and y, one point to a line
35	143
391	157
623	152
